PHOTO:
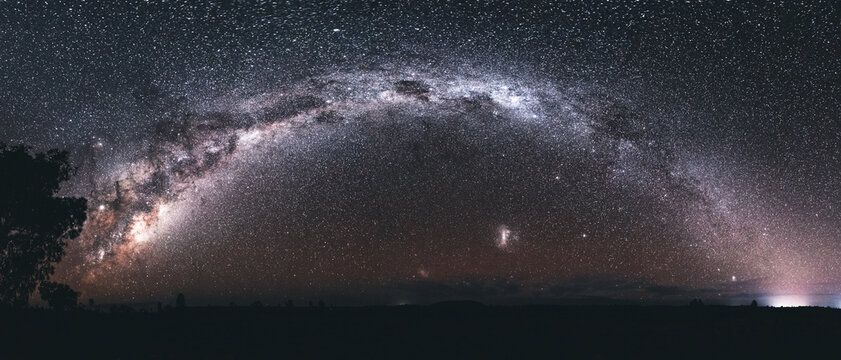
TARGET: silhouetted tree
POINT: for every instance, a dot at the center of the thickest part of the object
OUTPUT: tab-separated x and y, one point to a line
90	303
753	304
34	223
321	303
179	301
696	303
58	296
160	307
290	303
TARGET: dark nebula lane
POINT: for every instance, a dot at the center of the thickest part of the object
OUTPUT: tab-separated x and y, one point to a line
384	154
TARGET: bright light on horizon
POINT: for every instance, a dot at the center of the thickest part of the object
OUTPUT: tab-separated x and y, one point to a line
792	300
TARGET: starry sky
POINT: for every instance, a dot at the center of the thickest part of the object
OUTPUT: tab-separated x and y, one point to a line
407	152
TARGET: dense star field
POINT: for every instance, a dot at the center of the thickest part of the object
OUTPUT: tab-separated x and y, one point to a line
373	153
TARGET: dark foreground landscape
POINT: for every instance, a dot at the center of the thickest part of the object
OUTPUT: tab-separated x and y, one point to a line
455	330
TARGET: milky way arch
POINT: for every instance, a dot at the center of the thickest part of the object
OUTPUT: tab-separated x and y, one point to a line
616	148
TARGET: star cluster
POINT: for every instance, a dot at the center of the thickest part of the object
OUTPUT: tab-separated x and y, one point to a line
382	153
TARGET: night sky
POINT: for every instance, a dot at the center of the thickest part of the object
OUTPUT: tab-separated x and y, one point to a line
378	153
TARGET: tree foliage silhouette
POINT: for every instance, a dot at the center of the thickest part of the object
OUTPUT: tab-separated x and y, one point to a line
34	223
179	301
58	296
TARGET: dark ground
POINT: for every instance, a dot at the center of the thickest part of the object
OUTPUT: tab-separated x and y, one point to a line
450	331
